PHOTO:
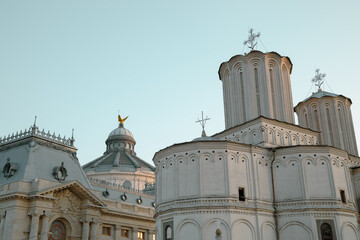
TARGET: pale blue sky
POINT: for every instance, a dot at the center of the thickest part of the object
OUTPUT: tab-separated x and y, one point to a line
75	63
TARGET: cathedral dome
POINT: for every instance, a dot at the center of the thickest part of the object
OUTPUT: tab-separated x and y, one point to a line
120	133
120	165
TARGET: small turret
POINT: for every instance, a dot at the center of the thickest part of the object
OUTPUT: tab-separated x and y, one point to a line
330	114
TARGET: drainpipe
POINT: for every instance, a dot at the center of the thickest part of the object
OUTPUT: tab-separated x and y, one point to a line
273	150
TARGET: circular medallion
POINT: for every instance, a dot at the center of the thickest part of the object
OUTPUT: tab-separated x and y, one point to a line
57	231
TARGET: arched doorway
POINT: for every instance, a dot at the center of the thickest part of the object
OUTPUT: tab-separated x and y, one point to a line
57	231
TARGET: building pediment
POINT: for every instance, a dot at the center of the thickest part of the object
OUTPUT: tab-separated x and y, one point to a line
71	195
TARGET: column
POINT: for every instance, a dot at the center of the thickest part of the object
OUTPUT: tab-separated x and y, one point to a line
94	226
45	226
117	232
149	234
2	223
34	227
85	229
134	233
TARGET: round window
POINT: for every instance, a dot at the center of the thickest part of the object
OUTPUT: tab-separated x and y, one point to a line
57	231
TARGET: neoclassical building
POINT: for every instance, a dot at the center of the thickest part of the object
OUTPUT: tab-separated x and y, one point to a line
45	194
263	177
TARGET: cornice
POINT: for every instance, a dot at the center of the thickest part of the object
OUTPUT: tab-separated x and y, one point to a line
128	216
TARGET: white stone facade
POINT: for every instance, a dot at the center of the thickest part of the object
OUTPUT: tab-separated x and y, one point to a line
331	115
263	178
254	85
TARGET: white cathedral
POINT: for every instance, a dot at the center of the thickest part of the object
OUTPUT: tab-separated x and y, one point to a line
263	177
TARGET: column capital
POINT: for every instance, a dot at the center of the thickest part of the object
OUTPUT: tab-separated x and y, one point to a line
118	227
95	220
47	213
35	213
85	219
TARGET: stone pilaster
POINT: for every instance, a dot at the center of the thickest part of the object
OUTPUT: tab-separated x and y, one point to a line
2	224
117	232
34	227
135	233
45	226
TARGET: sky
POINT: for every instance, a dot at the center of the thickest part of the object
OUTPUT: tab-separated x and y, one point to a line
77	63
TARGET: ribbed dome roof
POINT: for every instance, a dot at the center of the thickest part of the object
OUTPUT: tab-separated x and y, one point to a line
120	131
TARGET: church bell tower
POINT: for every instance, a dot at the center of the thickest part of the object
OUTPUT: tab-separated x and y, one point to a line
256	84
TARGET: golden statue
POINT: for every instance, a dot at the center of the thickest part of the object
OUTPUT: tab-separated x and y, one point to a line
122	120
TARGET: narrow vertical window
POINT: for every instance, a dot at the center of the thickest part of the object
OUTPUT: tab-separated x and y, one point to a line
342	195
242	96
257	88
317	123
306	119
326	232
242	194
330	127
168	233
272	83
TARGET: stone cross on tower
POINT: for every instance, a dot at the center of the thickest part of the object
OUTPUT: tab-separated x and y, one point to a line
202	123
251	39
318	79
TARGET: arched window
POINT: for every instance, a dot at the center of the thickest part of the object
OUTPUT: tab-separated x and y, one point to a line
257	88
57	231
272	84
242	96
168	233
326	232
330	127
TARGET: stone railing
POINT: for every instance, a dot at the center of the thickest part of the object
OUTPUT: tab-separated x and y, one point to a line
34	131
119	186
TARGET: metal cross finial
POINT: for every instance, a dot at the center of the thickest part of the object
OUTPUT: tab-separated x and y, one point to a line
318	79
202	123
251	39
72	140
35	121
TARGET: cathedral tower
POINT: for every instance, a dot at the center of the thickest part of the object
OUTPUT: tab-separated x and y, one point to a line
256	84
331	115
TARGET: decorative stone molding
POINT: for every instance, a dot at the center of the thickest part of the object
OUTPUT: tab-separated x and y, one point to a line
86	219
35	213
266	132
67	201
214	204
